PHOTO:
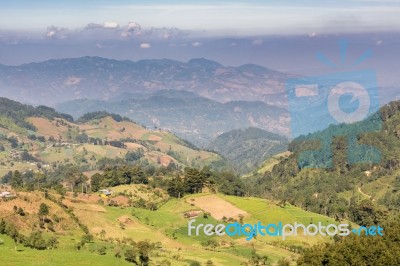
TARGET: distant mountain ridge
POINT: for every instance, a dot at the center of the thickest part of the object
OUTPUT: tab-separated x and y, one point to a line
55	81
195	118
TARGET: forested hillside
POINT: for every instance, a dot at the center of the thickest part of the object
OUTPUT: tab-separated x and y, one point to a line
247	148
13	114
364	192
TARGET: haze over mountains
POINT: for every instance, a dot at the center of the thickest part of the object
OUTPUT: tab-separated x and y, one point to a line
198	100
56	81
197	119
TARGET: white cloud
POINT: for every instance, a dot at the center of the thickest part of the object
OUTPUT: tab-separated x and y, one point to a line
279	18
133	28
145	45
197	44
54	32
105	25
111	25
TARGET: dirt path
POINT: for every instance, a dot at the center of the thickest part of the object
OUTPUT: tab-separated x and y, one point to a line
359	190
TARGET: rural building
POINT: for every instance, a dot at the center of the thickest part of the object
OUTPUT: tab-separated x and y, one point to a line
6	194
191	214
104	193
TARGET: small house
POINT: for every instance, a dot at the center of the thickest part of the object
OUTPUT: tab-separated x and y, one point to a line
192	214
105	193
6	194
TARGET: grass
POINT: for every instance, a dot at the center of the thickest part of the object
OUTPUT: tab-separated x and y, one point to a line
156	144
268	212
378	188
20	166
26	256
168	226
9	124
271	162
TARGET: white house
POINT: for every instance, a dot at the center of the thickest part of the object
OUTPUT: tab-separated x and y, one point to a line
6	194
105	192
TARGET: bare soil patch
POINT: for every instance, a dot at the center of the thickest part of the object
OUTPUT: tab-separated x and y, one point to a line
121	200
217	207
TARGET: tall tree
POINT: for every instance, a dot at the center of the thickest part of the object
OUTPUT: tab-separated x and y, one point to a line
43	210
16	180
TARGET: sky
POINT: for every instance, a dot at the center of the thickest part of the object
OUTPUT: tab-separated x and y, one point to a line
239	17
283	35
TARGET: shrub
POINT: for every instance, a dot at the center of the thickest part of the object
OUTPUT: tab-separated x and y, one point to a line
102	250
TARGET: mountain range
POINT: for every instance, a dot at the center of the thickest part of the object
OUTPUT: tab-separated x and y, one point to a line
195	118
60	80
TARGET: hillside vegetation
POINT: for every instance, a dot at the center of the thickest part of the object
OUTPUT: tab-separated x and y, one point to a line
36	137
197	119
106	187
363	192
247	148
14	114
90	226
328	174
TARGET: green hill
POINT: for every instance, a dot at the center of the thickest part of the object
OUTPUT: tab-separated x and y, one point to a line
39	137
115	228
338	191
14	114
248	148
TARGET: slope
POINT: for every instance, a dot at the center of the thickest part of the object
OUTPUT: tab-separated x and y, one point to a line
31	138
195	118
112	227
306	180
248	148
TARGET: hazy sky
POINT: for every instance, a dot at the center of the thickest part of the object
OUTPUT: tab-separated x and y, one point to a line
283	35
239	17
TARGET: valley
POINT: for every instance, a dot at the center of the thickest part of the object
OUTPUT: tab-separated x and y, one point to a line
104	186
190	116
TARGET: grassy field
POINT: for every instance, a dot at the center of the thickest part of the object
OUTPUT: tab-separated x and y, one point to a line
167	226
155	143
20	166
271	162
61	256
